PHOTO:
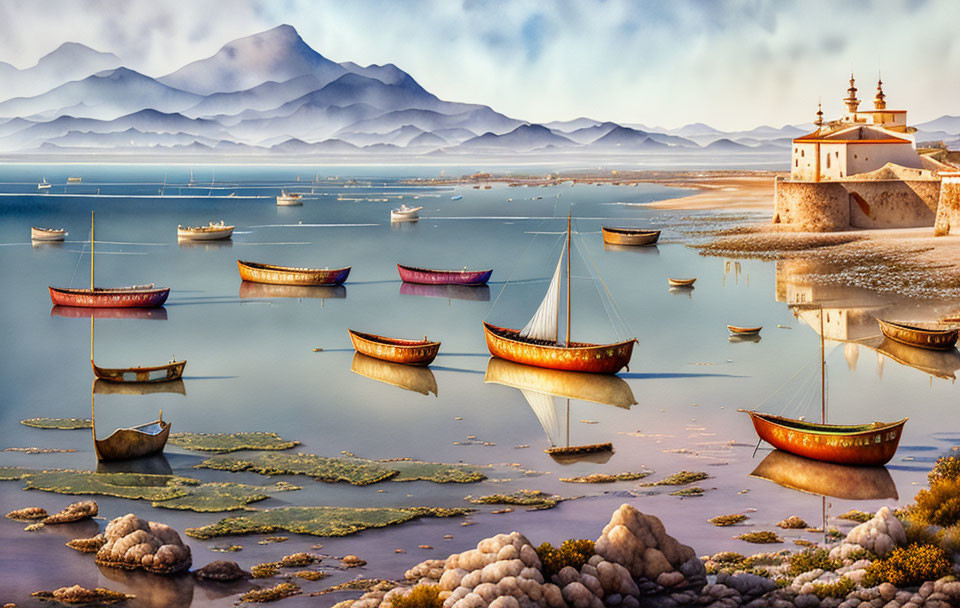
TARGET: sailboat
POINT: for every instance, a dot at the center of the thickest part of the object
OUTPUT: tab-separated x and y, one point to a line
43	185
538	343
548	392
872	444
136	296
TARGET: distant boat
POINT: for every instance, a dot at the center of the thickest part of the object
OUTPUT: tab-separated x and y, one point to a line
288	275
292	199
47	234
744	331
136	296
456	198
74	180
43	185
629	236
681	282
405	214
395	350
911	335
211	232
414	378
158	373
539	342
428	276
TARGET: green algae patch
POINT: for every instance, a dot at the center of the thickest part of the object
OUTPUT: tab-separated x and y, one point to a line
317	521
223	442
680	479
213	497
14	473
121	485
761	537
607	477
271	594
349	469
856	515
727	520
61	424
691	491
533	500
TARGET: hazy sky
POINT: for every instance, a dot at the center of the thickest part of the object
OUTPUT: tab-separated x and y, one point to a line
732	64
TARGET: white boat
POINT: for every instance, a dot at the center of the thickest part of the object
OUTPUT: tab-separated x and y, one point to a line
456	198
44	185
289	200
47	234
211	232
405	214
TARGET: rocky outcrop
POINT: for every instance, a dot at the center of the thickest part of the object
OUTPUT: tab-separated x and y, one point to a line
74	512
879	536
134	543
221	570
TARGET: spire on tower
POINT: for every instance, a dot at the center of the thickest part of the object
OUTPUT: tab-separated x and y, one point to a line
851	99
819	121
880	101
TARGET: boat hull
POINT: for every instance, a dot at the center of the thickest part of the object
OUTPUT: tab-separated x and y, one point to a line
939	339
580	357
283	275
681	282
864	445
136	442
141	375
629	237
216	234
42	234
427	276
744	331
408	352
128	297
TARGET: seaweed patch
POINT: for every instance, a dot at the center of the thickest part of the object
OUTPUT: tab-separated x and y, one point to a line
223	442
62	424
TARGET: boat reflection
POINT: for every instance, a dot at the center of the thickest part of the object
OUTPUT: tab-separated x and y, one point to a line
645	250
548	392
266	290
826	479
410	377
101	387
942	364
78	312
744	338
476	293
46	244
226	243
150	465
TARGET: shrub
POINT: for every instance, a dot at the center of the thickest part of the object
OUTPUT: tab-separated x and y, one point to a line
949	539
940	505
805	561
838	588
571	552
857	516
947	468
909	566
793	523
421	596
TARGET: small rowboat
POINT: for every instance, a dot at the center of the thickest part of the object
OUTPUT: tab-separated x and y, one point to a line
744	331
911	335
405	214
134	442
862	445
409	352
574	357
135	296
286	275
211	232
427	276
157	373
47	234
44	185
292	199
629	236
74	180
681	282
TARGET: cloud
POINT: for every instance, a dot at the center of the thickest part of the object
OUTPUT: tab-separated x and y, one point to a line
733	63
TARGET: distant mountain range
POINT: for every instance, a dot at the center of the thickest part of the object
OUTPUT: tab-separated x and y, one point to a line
271	93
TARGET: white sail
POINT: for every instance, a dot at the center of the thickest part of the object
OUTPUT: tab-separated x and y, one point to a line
545	407
543	324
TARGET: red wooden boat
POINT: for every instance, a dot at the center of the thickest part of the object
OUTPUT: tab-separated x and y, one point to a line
286	275
408	352
427	276
538	343
136	296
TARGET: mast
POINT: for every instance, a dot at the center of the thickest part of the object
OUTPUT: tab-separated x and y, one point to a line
823	375
569	222
91	251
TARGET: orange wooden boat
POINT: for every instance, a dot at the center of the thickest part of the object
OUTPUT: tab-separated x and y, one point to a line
408	352
921	337
132	442
539	342
681	282
157	373
744	331
286	275
629	236
863	444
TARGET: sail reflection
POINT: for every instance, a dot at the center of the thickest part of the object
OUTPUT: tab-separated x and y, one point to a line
826	479
548	392
476	293
264	290
410	377
79	312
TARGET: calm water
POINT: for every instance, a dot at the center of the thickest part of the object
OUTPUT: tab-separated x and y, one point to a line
252	366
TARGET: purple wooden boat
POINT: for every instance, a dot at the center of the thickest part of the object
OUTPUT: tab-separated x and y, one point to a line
427	276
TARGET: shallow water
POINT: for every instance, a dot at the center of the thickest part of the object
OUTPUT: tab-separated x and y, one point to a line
251	364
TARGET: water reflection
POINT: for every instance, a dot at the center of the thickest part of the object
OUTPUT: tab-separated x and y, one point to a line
78	312
548	393
683	290
412	378
745	338
644	250
151	465
101	387
152	591
264	290
226	243
826	479
476	293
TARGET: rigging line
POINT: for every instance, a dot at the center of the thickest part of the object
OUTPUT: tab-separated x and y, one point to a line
617	324
79	259
512	272
609	294
788	380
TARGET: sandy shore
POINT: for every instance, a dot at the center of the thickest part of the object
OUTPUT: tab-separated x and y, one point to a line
740	192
